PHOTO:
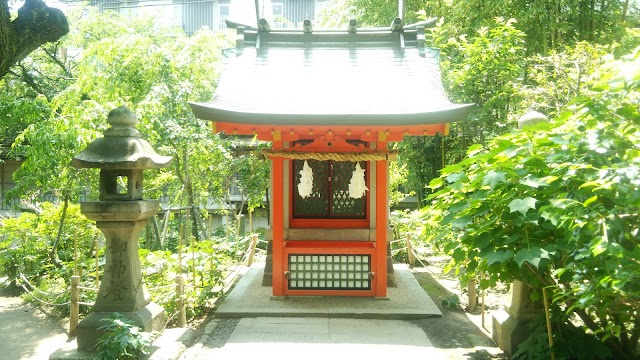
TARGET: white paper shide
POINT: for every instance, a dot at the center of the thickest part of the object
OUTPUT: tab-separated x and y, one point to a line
357	185
305	187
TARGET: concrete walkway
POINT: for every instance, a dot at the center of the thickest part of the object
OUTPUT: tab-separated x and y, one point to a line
298	338
251	323
27	331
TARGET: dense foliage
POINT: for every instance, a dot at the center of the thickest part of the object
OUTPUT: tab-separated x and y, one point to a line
25	244
55	102
556	205
548	25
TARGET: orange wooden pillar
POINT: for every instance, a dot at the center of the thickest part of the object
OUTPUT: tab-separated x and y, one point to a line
277	225
381	224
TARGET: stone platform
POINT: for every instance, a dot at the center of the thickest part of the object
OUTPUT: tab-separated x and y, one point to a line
250	299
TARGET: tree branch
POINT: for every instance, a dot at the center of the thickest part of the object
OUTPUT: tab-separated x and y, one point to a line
28	79
58	62
35	25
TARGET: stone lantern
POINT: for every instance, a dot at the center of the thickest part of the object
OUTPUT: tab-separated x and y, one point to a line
121	155
510	326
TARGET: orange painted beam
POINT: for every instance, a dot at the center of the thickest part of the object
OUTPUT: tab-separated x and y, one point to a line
277	226
298	132
329	223
381	224
330	247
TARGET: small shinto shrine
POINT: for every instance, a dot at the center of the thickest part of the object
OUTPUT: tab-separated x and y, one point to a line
330	102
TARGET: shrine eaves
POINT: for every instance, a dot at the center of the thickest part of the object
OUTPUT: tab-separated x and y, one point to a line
293	80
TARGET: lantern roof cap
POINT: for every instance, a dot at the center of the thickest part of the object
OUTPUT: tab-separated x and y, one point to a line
531	117
121	147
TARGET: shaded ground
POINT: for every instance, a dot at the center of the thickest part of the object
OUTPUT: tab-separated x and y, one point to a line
27	332
459	333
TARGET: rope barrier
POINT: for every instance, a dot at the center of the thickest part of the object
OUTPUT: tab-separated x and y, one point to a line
87	288
40	300
365	156
228	281
194	286
26	281
162	287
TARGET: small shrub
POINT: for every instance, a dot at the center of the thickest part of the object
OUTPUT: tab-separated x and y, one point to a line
121	339
452	302
536	346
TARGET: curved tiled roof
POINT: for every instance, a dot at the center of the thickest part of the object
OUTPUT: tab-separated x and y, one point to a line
332	78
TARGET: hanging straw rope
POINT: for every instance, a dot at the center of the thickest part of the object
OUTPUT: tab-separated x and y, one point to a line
365	156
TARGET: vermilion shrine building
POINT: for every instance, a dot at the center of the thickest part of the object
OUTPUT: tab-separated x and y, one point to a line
330	102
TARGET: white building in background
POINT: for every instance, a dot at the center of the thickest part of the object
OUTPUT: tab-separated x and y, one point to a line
192	15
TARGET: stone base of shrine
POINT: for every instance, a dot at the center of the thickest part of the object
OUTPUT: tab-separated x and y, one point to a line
249	298
149	318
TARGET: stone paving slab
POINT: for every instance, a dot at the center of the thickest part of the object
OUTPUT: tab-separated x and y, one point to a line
406	301
322	338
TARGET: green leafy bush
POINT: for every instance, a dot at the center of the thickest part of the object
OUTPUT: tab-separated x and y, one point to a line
202	267
566	336
452	302
121	339
405	222
557	205
26	252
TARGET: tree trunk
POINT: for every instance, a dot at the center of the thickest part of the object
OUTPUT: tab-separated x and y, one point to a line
53	253
35	25
185	178
625	9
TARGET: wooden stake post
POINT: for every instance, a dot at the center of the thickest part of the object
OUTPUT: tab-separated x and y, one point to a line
182	314
75	307
412	258
252	249
473	296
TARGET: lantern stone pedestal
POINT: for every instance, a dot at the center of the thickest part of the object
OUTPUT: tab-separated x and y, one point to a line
122	289
510	326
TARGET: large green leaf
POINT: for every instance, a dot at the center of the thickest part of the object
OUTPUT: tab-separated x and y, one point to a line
533	182
462	221
531	255
456	177
499	256
522	205
493	178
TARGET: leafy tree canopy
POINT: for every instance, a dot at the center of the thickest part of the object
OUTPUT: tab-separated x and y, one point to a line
556	205
109	62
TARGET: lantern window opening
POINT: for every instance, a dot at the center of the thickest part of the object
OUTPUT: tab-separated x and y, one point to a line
122	185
